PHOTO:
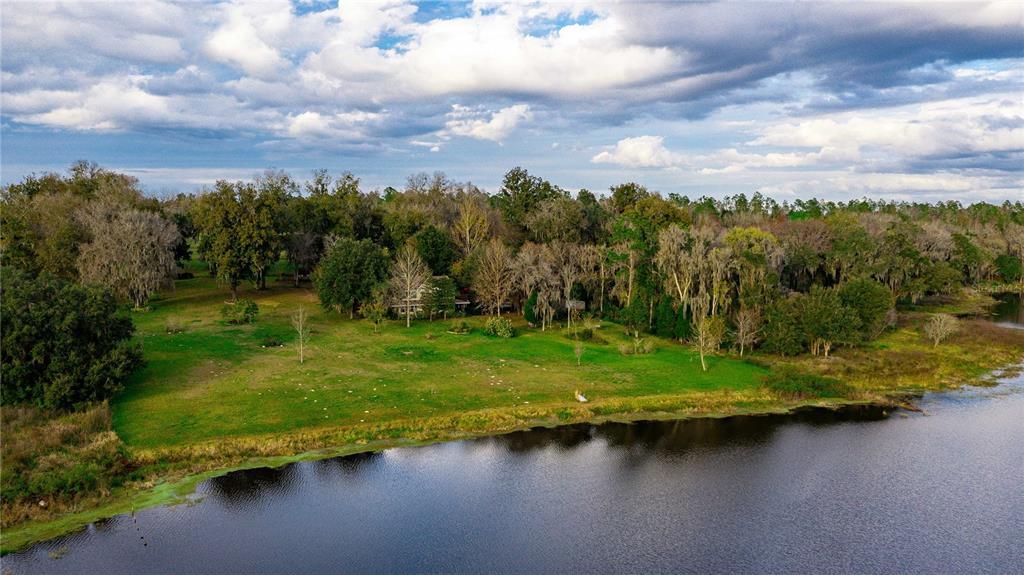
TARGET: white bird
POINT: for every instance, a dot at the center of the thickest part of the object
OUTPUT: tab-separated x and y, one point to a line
580	397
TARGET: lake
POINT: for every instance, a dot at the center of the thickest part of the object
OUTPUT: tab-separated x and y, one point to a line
1009	311
856	490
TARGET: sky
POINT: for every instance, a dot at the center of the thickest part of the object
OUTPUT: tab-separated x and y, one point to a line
914	101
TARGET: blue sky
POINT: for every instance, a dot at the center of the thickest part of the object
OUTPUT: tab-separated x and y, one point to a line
900	101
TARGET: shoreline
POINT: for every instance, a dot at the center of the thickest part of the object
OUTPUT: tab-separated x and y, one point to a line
175	471
179	490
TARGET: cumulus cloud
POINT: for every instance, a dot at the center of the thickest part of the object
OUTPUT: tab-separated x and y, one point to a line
639	152
467	122
344	126
857	88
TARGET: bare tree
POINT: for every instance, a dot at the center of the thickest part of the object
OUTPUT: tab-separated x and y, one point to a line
566	258
131	252
748	328
526	269
300	321
940	326
471	228
708	332
408	277
494	277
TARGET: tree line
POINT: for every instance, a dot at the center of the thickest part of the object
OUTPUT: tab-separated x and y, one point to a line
745	271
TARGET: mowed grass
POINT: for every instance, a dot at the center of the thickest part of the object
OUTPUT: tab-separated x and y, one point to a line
215	380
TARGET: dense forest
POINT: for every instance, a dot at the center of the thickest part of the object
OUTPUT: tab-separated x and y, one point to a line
744	272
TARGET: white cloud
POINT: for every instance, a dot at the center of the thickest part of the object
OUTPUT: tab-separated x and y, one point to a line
467	122
640	152
341	126
978	124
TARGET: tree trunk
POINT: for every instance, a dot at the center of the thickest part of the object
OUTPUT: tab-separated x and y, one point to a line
629	287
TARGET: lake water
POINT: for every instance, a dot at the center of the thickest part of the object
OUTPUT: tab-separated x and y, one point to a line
1009	311
859	490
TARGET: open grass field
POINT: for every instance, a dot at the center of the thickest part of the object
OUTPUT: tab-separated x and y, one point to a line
215	380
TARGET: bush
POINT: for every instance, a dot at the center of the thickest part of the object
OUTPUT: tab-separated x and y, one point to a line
530	309
460	327
240	312
271	342
792	384
63	344
639	346
499	327
174	325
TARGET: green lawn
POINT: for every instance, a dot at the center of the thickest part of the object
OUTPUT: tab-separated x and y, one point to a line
216	380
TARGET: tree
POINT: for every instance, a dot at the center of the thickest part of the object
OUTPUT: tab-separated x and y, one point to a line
471	228
349	272
625	196
566	259
783	333
665	319
939	327
521	194
826	321
435	247
439	297
409	274
300	321
578	351
264	221
376	310
557	219
871	301
63	345
131	252
530	309
708	333
493	281
219	218
748	328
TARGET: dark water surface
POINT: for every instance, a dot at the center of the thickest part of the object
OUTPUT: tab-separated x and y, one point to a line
817	492
1009	311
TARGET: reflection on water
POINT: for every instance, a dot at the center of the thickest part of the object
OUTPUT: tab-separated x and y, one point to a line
856	490
1009	310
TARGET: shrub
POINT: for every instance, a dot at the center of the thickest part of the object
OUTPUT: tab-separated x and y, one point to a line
459	327
499	327
939	327
638	346
530	309
240	312
174	325
271	342
792	384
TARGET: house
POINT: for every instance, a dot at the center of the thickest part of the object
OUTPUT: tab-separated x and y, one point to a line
398	304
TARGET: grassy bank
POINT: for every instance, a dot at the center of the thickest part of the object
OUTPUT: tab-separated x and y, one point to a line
215	397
